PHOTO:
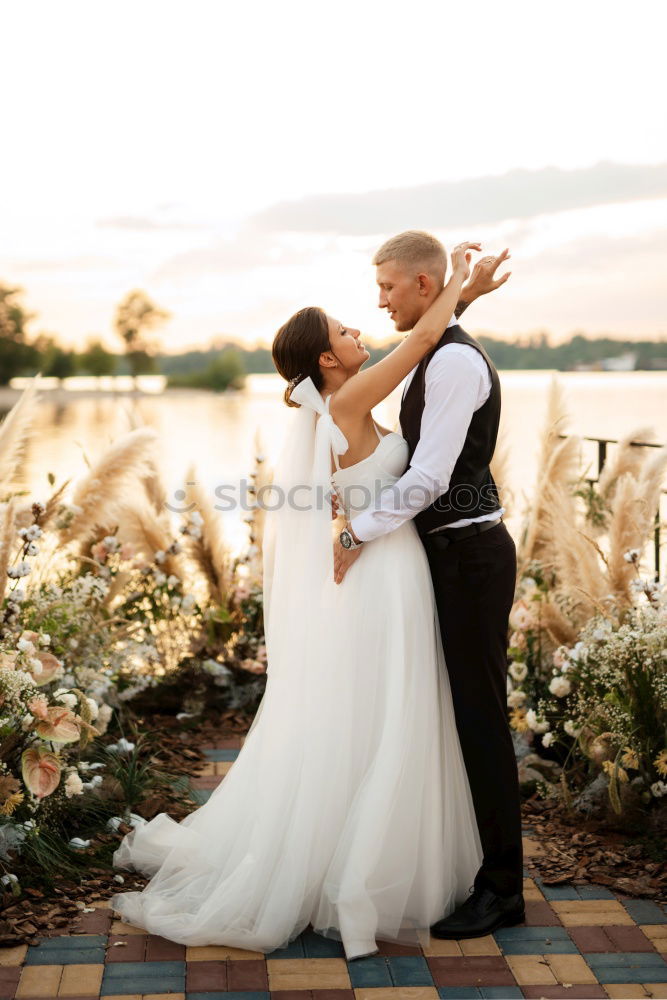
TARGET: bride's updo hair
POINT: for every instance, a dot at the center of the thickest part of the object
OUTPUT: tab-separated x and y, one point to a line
297	347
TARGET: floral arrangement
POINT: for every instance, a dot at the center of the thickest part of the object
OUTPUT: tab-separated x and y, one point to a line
587	677
102	599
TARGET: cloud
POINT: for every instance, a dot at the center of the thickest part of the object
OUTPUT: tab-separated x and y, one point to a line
516	194
89	262
136	223
248	251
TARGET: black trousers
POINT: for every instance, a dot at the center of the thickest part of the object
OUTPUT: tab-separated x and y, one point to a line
474	581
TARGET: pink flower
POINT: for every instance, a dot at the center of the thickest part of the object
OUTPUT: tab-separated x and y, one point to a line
99	551
38	705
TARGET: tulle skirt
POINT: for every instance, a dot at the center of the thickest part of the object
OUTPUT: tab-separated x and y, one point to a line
348	806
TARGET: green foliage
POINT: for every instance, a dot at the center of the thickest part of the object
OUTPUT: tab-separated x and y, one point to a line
16	354
223	372
96	360
136	316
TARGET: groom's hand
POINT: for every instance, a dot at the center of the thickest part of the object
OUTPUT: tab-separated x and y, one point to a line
483	280
343	559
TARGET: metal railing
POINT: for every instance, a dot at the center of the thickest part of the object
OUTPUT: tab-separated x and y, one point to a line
602	458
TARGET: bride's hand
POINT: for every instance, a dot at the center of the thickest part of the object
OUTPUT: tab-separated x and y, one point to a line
343	559
461	258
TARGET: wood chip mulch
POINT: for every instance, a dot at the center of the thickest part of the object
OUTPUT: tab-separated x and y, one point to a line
583	851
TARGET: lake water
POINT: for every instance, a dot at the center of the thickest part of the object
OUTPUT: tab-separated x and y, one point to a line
217	432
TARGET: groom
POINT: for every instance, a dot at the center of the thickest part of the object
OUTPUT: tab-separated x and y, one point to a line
449	416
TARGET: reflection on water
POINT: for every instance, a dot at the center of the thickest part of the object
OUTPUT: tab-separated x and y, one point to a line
217	432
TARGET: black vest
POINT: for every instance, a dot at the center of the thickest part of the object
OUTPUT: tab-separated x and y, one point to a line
472	490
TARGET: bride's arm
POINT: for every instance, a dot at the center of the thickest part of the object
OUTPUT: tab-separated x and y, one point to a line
363	391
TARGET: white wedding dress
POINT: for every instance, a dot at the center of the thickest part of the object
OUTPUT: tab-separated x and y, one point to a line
348	806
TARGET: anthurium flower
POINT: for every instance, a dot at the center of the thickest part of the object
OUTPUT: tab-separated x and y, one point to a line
50	666
60	726
41	771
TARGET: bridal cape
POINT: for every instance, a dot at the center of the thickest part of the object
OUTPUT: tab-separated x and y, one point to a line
348	807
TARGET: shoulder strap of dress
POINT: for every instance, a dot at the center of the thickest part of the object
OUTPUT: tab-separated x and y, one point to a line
376	430
333	451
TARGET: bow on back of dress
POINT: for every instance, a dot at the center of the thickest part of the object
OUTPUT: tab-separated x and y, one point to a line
307	395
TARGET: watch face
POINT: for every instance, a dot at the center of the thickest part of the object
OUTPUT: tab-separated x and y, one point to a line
345	539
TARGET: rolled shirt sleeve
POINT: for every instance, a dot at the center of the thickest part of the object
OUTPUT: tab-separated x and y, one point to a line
453	387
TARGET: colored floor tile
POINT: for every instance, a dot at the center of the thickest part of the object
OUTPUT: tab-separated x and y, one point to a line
628	967
222	754
578	942
143	977
406	971
643	911
522	940
68	950
372	971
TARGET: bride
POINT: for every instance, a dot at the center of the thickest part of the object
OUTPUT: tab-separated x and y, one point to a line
348	806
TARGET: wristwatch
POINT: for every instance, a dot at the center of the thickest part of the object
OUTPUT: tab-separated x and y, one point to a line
347	541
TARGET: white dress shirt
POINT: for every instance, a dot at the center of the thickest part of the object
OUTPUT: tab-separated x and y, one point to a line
457	383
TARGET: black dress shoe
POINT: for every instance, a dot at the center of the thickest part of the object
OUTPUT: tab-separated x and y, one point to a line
482	913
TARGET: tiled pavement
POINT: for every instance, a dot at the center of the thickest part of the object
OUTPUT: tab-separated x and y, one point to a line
577	942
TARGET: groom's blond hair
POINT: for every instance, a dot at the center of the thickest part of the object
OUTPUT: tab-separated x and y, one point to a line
415	249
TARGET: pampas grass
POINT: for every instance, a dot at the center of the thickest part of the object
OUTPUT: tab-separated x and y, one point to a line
149	532
500	470
560	629
209	552
627	458
105	488
589	579
633	510
262	477
574	556
558	468
14	433
7	541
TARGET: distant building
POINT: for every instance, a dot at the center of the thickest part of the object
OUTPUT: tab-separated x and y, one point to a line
621	363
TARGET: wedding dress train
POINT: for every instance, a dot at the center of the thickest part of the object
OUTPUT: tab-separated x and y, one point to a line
348	806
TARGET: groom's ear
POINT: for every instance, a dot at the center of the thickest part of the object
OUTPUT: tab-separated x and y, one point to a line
424	283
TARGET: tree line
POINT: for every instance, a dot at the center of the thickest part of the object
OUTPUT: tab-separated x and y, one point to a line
137	318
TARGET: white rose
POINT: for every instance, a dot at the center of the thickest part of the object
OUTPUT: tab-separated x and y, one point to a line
659	788
94	708
533	722
518	670
548	739
560	686
520	617
516	698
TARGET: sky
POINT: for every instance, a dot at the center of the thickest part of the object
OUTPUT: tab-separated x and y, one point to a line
239	161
